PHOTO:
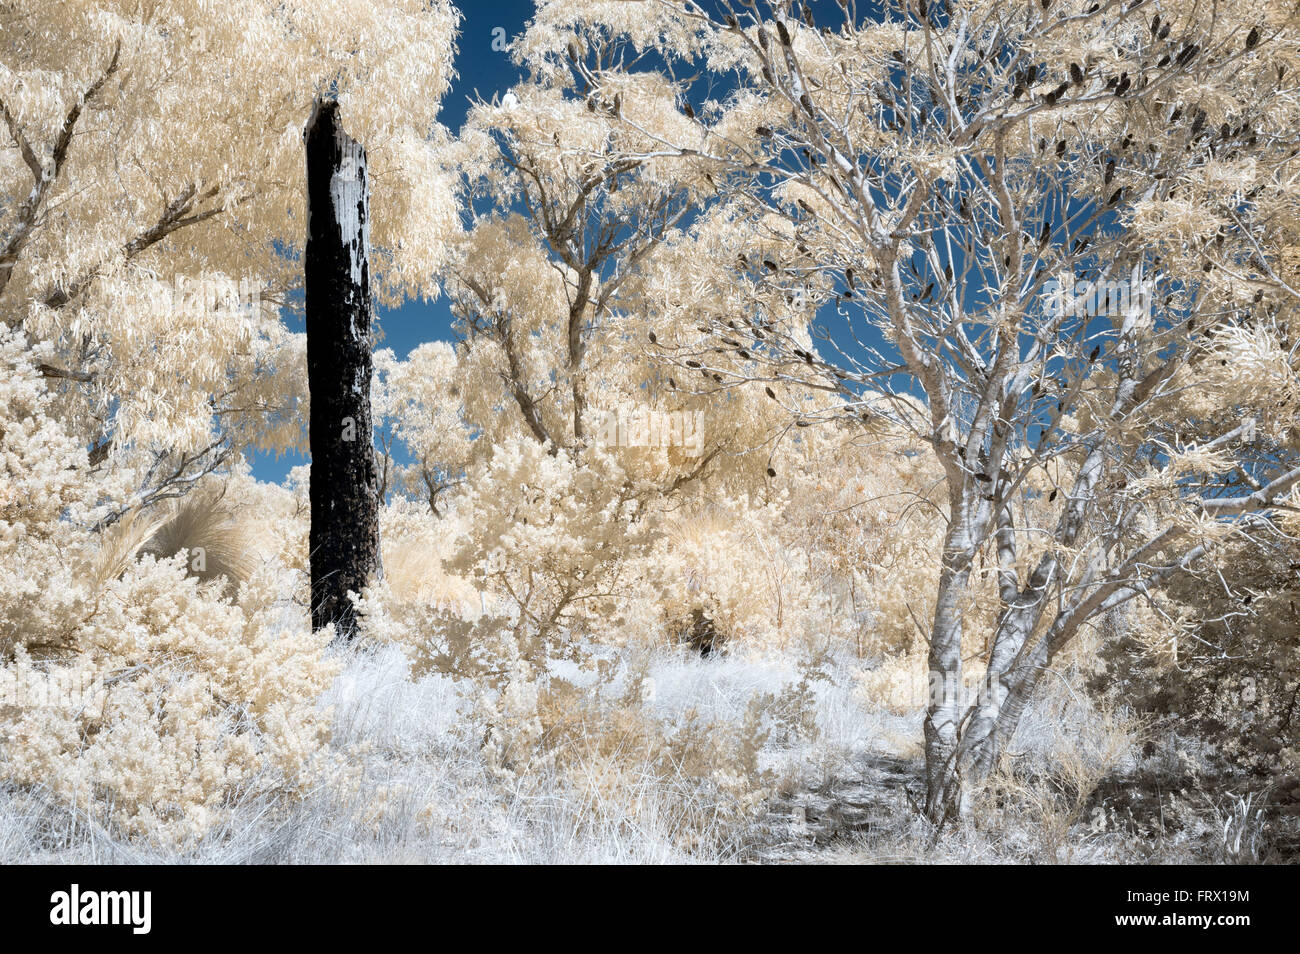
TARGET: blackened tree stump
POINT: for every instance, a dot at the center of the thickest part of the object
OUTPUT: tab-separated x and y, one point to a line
344	486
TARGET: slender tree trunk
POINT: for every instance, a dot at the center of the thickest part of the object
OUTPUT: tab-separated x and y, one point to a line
1016	689
344	497
1014	664
944	707
985	730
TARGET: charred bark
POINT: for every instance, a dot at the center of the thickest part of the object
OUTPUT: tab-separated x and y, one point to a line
344	485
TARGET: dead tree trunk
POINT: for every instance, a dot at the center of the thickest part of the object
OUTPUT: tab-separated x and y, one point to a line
344	498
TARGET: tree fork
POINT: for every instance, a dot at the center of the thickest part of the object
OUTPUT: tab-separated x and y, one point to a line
344	485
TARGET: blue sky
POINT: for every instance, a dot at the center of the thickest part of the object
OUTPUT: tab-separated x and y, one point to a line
481	68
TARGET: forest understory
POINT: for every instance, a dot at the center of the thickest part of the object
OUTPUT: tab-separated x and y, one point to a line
692	776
